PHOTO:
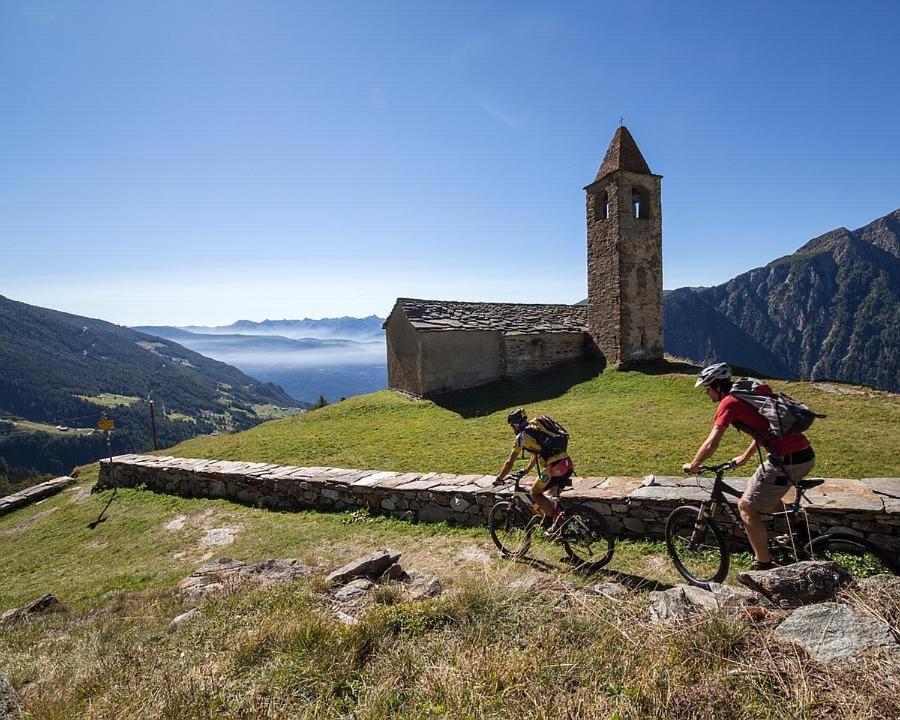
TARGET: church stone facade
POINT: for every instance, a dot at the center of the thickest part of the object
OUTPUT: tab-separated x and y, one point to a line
435	346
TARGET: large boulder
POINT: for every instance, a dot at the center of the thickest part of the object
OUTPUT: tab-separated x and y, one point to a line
9	700
371	566
831	632
802	583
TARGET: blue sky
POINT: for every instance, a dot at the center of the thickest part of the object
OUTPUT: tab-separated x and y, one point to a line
199	162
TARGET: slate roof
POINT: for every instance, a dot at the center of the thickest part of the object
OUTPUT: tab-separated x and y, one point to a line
438	315
622	154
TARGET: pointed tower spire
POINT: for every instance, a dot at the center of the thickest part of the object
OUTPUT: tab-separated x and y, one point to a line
623	154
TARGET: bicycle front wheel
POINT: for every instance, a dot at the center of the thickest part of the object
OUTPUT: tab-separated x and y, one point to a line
511	529
697	547
586	538
855	554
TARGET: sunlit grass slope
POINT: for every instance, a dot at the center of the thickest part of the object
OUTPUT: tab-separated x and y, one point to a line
621	423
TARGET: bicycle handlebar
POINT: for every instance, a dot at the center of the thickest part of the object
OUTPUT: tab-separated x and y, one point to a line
717	469
513	477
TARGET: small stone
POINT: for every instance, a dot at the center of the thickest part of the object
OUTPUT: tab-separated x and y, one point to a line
831	632
613	590
370	565
679	602
354	589
181	620
344	618
394	572
423	586
44	603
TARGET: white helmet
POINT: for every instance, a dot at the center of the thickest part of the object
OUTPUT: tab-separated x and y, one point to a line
708	375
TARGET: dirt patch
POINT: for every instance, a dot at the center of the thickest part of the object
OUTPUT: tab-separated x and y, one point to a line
475	554
216	537
79	493
176	523
25	524
836	389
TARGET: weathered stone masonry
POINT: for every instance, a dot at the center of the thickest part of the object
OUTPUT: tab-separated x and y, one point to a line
635	507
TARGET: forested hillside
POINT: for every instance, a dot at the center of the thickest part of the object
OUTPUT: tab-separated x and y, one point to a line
63	370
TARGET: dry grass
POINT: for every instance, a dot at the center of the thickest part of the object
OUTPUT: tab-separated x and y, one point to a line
483	651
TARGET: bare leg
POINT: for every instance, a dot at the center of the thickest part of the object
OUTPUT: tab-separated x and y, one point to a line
756	531
548	507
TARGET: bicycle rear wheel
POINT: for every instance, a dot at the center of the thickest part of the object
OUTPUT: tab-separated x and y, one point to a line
511	529
697	548
586	538
855	554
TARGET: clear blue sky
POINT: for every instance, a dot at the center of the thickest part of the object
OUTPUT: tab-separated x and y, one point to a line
198	162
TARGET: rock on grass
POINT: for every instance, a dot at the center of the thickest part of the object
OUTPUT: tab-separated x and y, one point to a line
802	583
831	632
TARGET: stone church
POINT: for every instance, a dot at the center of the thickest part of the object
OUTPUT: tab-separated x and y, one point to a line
435	346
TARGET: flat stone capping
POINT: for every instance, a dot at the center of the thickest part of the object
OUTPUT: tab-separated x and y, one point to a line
33	494
635	507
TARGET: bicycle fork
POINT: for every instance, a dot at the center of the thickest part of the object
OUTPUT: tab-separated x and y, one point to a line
700	525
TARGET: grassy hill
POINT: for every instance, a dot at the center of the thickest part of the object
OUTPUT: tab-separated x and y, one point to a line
279	653
621	423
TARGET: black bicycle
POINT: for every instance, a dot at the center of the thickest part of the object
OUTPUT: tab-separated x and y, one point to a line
698	546
584	534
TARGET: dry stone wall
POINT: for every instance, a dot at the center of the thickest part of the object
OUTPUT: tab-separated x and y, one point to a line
523	354
635	507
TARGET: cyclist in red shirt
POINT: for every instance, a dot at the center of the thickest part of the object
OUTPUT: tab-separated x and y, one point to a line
789	459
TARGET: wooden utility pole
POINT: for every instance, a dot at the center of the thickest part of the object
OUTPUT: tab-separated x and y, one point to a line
153	425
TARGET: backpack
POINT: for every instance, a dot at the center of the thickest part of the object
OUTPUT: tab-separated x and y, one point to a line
549	434
785	415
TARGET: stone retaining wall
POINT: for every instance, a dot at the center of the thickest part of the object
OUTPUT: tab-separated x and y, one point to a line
635	507
32	494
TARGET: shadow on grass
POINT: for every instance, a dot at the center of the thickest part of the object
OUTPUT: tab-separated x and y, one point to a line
491	398
680	366
636	582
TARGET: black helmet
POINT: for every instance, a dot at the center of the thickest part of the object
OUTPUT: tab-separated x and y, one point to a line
517	417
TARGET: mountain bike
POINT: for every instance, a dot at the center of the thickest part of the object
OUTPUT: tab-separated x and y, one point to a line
697	544
584	534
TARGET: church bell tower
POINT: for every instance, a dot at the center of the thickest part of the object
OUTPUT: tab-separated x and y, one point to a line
624	242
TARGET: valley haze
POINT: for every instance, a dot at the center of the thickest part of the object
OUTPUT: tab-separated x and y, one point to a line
329	357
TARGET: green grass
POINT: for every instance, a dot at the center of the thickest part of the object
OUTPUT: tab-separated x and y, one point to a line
30	426
110	399
621	423
484	652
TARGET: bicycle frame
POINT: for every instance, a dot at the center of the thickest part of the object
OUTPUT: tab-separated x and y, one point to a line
717	500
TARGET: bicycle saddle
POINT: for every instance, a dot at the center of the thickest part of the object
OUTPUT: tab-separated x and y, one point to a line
810	483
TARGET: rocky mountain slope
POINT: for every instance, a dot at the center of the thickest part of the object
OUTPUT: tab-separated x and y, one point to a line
831	310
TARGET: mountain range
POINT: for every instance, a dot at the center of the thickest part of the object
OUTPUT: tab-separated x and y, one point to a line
831	310
343	328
